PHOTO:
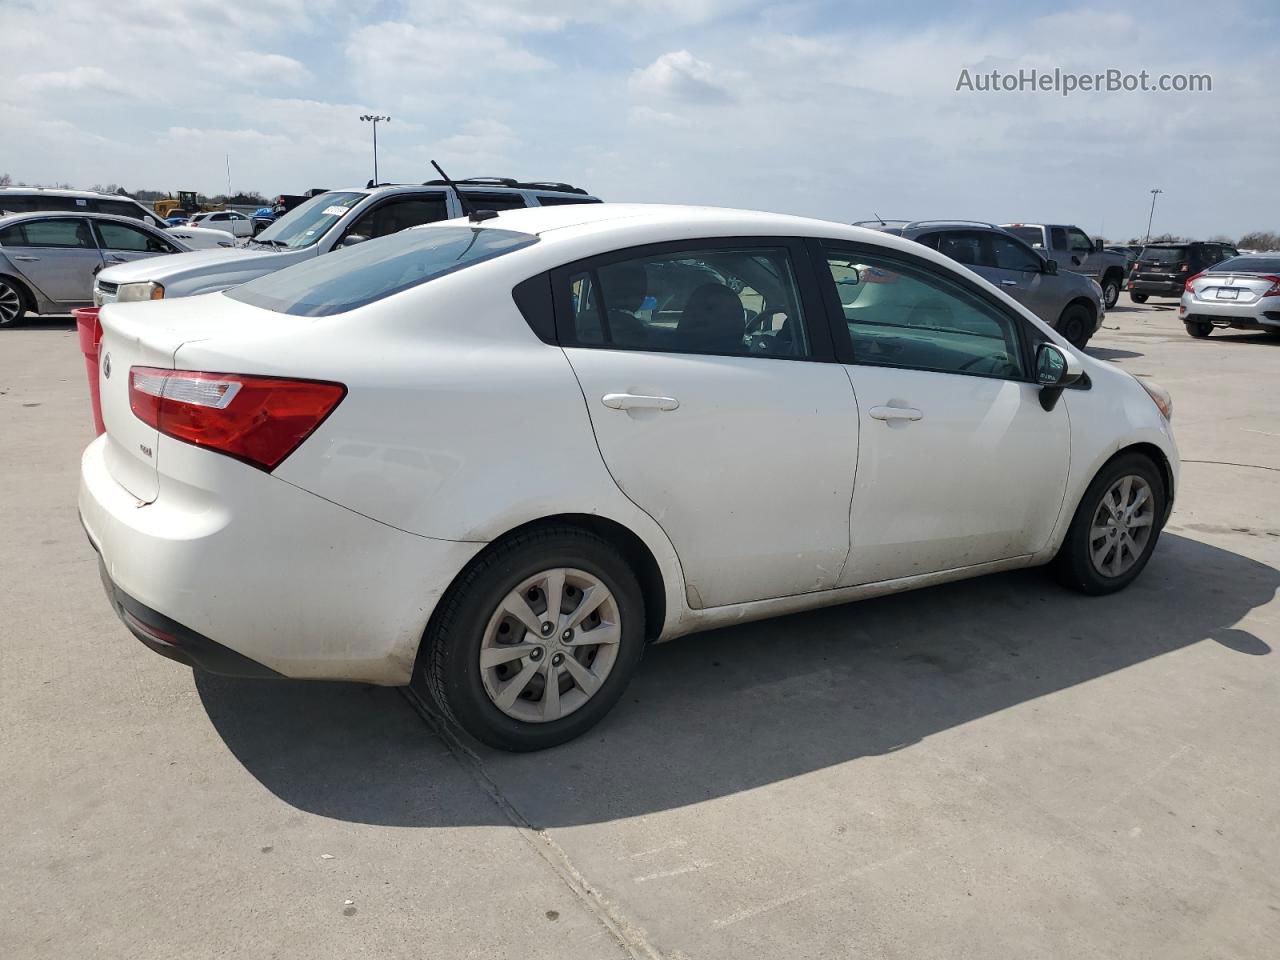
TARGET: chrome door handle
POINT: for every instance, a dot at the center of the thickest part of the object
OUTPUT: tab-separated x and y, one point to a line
895	413
1008	283
630	401
27	259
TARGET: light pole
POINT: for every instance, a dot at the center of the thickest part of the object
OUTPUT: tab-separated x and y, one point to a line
374	120
1154	193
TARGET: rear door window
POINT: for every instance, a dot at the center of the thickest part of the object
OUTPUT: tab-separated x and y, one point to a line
356	276
494	200
726	301
964	246
64	232
1059	238
550	201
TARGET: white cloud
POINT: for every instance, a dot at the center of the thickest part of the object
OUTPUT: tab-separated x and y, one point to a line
250	67
680	75
77	79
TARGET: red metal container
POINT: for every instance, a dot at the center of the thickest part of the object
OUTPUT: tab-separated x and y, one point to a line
90	331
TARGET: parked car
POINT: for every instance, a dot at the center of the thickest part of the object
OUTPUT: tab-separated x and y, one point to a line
1070	303
1073	250
36	199
324	223
228	221
262	218
1162	268
175	221
1241	292
48	260
496	458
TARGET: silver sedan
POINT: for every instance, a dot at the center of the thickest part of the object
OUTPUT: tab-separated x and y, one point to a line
48	260
1241	292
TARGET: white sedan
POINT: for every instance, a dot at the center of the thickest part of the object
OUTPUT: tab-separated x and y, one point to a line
497	458
202	238
227	221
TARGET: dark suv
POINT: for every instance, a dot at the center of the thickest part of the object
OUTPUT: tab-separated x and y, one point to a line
1163	268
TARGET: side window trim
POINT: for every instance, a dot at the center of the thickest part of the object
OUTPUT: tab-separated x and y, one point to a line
821	346
839	328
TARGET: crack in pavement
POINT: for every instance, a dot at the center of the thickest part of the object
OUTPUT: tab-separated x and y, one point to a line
627	935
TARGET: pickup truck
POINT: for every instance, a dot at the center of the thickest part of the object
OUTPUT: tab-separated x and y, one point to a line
1074	251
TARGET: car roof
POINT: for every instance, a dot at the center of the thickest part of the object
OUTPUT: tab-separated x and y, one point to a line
60	192
467	187
78	214
613	218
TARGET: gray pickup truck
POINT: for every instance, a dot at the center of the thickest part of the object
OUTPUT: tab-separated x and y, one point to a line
1074	251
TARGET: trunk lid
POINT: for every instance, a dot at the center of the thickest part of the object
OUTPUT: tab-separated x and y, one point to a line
149	334
1231	287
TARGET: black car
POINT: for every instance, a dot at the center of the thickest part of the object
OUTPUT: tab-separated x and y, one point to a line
1163	268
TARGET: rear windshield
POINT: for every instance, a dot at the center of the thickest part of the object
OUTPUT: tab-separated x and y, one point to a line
1248	265
1031	235
1165	254
355	276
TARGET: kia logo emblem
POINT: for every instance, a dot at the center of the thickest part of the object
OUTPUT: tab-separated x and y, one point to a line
106	367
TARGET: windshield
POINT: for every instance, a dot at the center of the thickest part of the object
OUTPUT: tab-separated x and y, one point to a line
359	275
1164	254
1031	235
308	222
1248	265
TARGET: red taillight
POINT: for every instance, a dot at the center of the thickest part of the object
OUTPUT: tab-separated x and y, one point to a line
260	420
1274	290
1186	287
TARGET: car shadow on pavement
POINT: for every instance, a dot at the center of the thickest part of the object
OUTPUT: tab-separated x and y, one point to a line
738	708
39	323
1110	353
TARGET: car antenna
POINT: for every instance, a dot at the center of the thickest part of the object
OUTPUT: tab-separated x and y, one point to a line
877	216
474	215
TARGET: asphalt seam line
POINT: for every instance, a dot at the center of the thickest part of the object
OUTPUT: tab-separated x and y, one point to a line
627	935
1228	463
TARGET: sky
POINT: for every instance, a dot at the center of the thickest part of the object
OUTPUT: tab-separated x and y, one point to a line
840	110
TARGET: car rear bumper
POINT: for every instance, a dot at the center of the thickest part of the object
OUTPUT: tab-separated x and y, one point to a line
1261	314
263	578
1157	288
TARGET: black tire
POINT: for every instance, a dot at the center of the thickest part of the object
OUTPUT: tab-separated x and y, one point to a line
1199	329
1076	324
1073	565
448	663
1138	297
15	301
1110	290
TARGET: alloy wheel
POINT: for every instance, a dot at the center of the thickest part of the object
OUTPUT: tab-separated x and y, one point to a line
10	303
1121	526
550	645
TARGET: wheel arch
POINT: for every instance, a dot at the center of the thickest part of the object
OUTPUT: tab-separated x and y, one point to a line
1158	457
1114	271
1082	302
29	301
628	543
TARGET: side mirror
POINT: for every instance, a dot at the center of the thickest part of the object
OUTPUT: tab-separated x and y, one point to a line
1097	246
351	239
1051	267
1056	369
